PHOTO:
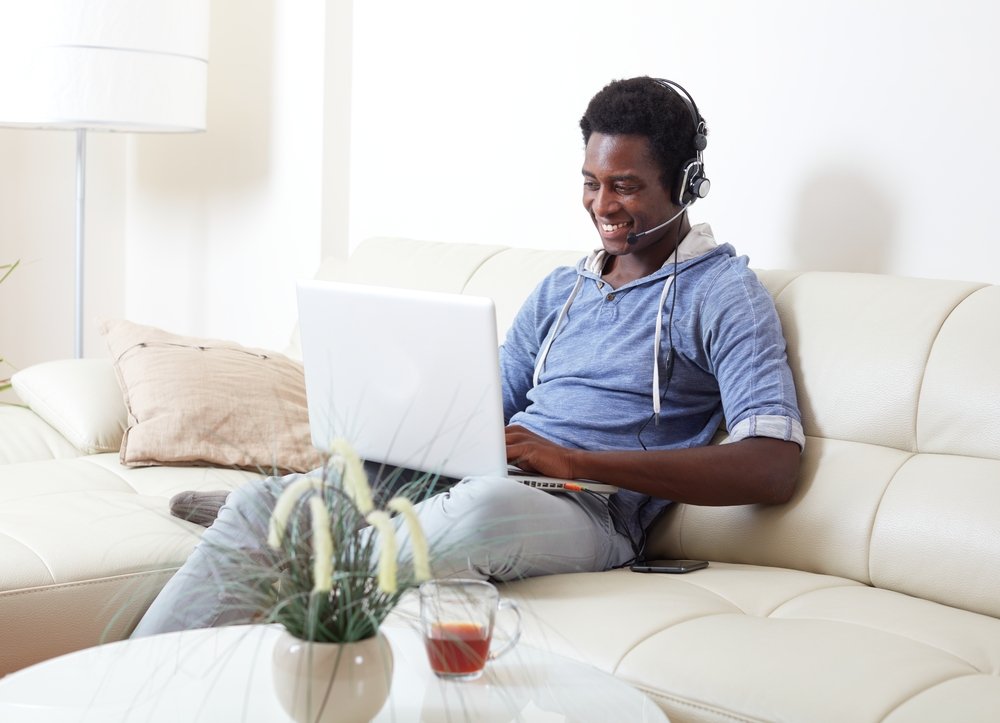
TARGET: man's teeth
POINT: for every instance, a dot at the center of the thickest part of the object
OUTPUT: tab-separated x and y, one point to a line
609	227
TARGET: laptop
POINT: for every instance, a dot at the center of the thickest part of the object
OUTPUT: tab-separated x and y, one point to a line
411	379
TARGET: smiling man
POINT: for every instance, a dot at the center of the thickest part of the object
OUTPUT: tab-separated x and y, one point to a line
621	369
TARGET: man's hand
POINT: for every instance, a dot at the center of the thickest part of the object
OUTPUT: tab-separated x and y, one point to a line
532	453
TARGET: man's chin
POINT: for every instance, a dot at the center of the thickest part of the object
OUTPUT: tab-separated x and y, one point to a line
616	243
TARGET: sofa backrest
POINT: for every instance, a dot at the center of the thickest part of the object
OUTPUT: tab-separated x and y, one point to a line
506	275
900	481
900	486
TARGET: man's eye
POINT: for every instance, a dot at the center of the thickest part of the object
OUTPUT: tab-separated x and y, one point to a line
591	185
626	190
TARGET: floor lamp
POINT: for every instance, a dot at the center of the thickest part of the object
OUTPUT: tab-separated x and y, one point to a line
102	65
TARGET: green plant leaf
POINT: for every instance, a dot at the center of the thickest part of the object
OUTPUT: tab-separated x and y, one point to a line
8	269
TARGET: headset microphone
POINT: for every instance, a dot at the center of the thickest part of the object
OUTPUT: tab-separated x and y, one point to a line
633	238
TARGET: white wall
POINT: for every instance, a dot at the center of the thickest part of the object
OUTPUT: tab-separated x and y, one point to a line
845	134
37	226
201	234
220	224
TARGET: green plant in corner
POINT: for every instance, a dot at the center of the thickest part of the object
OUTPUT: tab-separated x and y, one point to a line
5	271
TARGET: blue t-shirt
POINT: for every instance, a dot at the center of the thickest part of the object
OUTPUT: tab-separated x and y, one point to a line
595	389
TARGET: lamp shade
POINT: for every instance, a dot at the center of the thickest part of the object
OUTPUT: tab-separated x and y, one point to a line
117	65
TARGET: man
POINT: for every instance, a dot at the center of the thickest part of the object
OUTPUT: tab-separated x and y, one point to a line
620	370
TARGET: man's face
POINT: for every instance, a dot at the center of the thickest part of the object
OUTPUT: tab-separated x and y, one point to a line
622	191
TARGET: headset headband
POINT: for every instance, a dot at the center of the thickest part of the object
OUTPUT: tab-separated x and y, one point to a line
692	184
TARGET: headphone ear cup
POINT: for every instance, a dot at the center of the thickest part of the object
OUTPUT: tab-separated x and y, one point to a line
692	184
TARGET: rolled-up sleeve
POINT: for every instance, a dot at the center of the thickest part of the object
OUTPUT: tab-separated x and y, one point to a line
746	347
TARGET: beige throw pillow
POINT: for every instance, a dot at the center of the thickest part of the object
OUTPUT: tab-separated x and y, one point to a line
203	401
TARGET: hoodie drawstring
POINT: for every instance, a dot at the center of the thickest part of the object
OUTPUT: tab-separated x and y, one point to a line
540	362
656	348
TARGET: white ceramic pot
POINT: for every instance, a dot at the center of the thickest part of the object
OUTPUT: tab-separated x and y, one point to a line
332	682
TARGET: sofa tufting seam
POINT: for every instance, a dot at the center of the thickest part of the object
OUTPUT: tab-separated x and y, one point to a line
878	509
930	352
658	695
779	292
480	265
118	476
675	624
29	548
85	583
850	583
827	619
121	475
920	692
682	515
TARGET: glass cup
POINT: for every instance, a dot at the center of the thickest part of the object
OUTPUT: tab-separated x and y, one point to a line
457	618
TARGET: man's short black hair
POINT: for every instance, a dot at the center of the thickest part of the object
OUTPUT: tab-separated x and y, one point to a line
642	106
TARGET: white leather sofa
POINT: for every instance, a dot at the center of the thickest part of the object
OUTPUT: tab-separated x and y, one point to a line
874	595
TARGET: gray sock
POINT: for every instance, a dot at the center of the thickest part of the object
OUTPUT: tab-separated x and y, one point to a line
199	507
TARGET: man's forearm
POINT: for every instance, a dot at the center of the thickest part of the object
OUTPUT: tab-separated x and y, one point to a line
754	470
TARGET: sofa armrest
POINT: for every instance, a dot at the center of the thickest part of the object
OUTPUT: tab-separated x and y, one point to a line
79	398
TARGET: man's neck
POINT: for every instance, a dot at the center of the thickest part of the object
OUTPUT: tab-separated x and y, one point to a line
621	270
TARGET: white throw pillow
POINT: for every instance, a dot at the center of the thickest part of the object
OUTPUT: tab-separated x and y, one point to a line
79	398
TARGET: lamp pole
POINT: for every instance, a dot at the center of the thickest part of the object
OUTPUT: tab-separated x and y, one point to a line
81	197
108	65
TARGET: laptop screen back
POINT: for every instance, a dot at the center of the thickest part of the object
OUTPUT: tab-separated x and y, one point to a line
409	378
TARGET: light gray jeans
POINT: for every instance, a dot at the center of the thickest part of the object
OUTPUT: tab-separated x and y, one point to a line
481	527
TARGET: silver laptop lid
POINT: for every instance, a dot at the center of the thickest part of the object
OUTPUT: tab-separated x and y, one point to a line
410	378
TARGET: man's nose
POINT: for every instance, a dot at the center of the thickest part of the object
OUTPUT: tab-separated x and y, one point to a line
605	202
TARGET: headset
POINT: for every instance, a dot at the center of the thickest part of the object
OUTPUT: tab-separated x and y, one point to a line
692	183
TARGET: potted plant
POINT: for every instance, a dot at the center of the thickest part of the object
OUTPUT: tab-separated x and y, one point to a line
5	271
331	577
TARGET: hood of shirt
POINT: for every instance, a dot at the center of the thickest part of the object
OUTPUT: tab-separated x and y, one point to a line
699	244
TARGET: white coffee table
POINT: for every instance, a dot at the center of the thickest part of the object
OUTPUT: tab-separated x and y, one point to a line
225	675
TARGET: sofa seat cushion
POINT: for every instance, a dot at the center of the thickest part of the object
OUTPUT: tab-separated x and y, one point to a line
90	539
73	519
803	646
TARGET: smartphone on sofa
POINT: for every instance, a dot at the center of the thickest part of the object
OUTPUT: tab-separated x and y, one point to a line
669	566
